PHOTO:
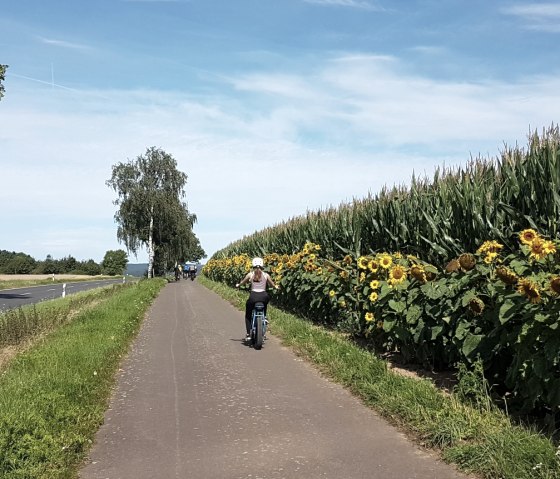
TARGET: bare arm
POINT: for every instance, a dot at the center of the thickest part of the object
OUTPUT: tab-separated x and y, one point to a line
270	282
244	280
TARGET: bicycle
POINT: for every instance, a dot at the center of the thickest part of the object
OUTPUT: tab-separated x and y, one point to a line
259	323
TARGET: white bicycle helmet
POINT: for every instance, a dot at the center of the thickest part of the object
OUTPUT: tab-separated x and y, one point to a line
258	263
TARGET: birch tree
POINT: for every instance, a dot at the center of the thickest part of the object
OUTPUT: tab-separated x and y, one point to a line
151	209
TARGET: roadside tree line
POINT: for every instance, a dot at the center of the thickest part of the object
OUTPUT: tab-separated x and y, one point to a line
114	263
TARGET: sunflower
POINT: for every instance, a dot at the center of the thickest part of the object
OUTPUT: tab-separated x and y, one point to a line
554	285
467	261
418	273
374	284
490	257
529	289
310	265
373	297
549	247
369	317
362	276
453	266
332	293
385	261
379	324
528	236
490	247
397	274
540	248
347	259
430	275
373	266
506	275
344	274
362	262
476	306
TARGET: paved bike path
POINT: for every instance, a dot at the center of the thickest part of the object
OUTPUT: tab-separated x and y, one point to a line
192	401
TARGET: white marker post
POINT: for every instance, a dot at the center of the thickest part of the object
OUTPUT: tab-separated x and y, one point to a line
64	290
124	279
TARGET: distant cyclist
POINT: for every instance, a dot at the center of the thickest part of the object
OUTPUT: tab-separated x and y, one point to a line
259	281
192	271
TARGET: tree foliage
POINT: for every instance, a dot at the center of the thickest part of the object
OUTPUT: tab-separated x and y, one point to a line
3	69
114	262
19	264
90	268
22	263
151	211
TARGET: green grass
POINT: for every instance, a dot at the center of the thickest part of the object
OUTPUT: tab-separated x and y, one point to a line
53	397
481	441
25	322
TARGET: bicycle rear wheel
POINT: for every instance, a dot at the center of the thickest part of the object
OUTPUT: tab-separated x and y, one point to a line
258	338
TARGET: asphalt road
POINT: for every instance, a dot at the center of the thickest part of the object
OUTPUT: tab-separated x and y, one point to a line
193	401
14	298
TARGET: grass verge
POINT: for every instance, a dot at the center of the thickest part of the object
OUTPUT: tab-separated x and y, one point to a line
20	324
53	396
481	441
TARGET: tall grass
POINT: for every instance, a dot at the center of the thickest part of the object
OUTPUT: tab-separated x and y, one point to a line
22	323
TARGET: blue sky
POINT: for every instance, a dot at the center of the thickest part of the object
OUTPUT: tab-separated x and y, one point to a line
272	108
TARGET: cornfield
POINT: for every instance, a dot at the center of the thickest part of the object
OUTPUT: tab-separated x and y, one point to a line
438	219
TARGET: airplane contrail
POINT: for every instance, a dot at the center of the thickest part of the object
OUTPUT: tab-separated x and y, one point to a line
42	81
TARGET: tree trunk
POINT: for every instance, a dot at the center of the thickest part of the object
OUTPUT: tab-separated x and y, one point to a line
151	245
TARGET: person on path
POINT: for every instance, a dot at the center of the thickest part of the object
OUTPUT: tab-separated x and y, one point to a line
259	281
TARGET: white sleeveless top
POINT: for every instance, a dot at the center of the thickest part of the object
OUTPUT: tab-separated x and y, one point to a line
258	286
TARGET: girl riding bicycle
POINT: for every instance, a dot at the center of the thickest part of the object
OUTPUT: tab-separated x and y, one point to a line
259	281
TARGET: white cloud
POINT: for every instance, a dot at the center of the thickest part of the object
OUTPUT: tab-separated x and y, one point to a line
429	49
293	86
295	142
83	243
64	44
538	16
535	10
